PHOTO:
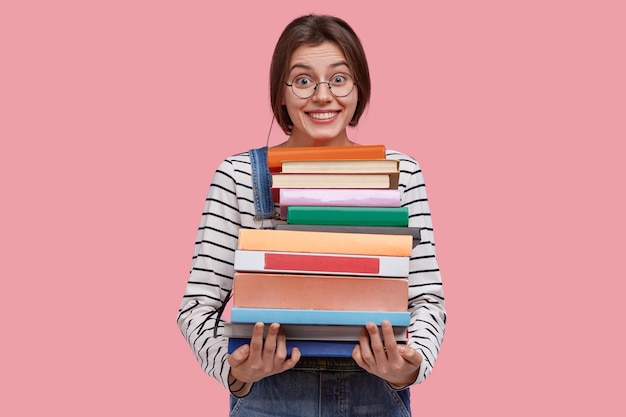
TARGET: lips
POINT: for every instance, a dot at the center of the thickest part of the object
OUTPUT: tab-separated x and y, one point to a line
323	115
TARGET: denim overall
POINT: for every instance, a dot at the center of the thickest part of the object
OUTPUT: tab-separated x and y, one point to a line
328	387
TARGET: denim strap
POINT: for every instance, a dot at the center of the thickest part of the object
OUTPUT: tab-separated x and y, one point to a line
261	184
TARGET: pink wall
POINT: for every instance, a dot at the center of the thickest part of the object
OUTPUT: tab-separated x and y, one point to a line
114	116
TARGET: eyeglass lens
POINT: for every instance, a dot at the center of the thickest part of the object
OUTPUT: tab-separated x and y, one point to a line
340	85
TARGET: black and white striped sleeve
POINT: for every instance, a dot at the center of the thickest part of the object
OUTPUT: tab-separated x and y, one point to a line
426	300
211	276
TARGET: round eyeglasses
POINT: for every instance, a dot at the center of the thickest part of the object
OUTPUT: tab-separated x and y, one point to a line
304	86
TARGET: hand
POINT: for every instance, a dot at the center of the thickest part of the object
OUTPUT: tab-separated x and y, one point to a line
250	363
396	364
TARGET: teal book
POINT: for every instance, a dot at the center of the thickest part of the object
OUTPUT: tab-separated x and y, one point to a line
297	316
348	216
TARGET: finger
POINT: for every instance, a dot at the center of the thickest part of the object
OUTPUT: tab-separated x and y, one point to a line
410	355
293	360
365	349
239	356
358	358
376	341
281	348
390	345
269	347
270	338
256	341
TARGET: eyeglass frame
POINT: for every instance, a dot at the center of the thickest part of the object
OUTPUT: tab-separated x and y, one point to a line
330	88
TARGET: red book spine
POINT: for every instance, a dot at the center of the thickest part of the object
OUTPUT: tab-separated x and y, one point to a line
352	264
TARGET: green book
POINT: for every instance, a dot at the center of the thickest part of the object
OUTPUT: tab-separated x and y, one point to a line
348	216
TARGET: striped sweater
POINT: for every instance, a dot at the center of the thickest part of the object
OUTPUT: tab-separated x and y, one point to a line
229	206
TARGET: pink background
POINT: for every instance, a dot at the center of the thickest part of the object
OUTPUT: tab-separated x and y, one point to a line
114	115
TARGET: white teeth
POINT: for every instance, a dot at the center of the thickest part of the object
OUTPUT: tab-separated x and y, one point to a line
322	116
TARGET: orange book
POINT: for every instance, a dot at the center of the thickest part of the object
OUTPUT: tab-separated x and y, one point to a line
275	156
325	242
319	292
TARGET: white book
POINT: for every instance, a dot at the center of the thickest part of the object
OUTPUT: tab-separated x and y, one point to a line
321	263
328	332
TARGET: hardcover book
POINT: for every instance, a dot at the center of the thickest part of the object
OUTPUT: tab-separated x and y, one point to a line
310	332
320	292
364	197
308	348
276	156
325	242
299	316
337	166
387	180
386	230
348	216
321	263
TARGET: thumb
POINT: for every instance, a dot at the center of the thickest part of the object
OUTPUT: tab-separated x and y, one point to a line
239	356
411	355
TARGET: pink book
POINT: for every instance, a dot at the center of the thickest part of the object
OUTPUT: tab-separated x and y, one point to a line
337	197
320	292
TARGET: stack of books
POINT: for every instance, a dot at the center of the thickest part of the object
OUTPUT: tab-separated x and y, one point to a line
342	259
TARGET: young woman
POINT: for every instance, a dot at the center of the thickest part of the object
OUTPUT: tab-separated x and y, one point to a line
319	85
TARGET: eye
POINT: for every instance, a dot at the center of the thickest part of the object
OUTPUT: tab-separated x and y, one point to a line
303	81
339	79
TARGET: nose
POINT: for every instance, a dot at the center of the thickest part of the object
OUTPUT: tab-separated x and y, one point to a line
322	93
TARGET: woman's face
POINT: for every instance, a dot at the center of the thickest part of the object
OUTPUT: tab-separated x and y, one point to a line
322	118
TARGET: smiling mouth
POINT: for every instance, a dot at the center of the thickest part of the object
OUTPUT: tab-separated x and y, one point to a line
324	115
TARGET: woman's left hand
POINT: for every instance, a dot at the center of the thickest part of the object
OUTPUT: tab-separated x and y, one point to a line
396	364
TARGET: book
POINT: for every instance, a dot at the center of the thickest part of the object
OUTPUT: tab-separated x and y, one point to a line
320	292
325	242
310	332
363	197
337	166
348	216
321	263
387	230
300	316
386	180
308	348
276	156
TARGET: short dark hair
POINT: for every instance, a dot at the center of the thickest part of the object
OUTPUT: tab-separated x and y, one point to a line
313	30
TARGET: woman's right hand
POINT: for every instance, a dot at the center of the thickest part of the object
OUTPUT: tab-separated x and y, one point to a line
259	359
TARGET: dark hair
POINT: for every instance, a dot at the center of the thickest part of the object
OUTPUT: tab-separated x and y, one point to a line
313	30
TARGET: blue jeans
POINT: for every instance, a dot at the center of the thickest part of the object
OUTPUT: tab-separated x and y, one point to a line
333	391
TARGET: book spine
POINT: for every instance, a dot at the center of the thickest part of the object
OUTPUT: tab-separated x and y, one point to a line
339	166
311	263
335	181
308	348
319	292
333	197
299	316
275	156
310	332
388	230
348	216
325	242
345	197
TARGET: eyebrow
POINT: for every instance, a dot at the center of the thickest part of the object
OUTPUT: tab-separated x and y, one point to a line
308	67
